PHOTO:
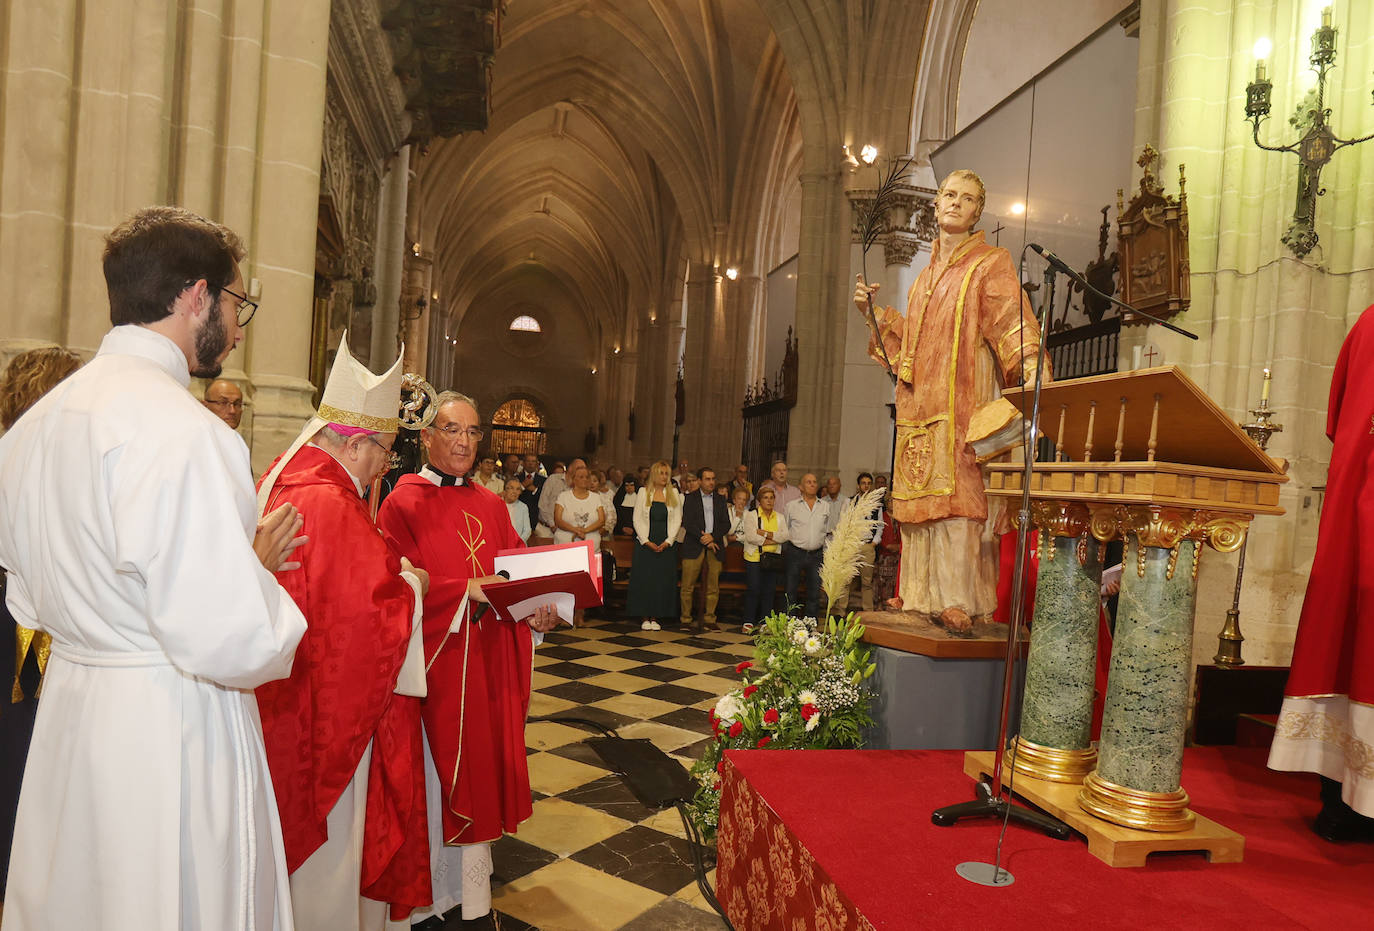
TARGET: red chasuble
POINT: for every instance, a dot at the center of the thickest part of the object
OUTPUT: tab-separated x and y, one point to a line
478	677
1334	652
317	723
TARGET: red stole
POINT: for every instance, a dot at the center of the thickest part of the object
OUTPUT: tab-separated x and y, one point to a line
1334	651
340	694
479	677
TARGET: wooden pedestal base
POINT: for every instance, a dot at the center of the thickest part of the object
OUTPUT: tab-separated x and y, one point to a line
1110	843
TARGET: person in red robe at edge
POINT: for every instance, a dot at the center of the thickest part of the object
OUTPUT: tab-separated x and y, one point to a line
478	666
342	732
1326	724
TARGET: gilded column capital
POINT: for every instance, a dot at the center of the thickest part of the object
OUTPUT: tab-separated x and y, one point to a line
1061	518
1105	522
1154	525
1224	533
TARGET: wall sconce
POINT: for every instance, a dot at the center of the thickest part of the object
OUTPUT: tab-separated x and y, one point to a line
593	369
1318	142
616	350
732	273
849	158
869	154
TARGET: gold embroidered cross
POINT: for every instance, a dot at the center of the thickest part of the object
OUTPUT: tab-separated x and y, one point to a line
474	540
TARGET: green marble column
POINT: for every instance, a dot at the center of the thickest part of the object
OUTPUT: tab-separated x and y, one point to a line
1058	706
1146	710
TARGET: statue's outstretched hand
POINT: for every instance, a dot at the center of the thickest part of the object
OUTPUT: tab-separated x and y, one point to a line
863	293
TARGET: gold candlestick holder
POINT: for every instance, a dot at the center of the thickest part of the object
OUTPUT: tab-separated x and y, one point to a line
1260	429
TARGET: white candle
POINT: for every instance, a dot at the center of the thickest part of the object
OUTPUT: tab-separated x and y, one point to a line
1135	358
1264	392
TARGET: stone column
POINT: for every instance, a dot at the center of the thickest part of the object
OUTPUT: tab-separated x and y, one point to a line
814	430
1140	755
390	259
1055	742
1137	782
282	249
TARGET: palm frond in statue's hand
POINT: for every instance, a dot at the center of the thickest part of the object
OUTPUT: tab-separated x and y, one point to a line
872	220
844	553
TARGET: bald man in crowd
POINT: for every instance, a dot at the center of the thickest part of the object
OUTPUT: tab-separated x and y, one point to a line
225	401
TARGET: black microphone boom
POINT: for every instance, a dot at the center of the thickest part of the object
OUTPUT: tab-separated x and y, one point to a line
1063	266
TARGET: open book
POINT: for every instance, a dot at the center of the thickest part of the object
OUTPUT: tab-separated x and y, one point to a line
567	576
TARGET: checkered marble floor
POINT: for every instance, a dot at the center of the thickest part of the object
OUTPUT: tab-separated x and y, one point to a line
592	857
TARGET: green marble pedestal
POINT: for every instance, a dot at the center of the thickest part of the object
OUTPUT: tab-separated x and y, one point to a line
1140	755
1056	718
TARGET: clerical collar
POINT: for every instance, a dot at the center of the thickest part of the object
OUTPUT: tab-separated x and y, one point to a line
440	477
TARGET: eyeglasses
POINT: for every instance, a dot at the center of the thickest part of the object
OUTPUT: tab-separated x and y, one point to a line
453	430
231	405
393	458
251	307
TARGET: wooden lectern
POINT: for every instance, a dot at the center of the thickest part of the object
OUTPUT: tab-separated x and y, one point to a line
1148	457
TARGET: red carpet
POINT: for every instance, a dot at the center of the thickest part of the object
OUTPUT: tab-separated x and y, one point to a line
865	818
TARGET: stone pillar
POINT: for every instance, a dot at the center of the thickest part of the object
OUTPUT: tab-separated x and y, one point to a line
390	259
814	431
717	323
295	46
1055	742
414	313
1137	782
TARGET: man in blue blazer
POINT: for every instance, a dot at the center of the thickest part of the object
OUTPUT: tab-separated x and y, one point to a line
705	522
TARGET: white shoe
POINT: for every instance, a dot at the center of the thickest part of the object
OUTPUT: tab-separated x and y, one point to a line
647	625
655	625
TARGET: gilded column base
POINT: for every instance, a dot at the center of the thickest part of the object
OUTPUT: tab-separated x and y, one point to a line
1133	808
1051	763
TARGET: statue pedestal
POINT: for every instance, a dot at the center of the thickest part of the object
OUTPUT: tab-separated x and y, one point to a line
935	691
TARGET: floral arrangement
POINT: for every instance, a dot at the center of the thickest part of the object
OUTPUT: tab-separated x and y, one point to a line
804	689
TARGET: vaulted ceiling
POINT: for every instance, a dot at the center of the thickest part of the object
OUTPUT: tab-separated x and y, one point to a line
624	138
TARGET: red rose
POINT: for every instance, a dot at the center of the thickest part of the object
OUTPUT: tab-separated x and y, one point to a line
750	690
743	666
763	741
720	767
807	711
715	728
770	716
737	728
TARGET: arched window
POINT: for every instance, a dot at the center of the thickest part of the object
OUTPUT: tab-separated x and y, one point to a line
525	324
518	427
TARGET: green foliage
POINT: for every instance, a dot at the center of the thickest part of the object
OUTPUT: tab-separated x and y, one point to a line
806	688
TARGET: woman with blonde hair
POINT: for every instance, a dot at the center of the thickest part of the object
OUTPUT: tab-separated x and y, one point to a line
653	573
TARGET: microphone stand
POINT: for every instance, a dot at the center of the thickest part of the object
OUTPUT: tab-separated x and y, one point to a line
992	801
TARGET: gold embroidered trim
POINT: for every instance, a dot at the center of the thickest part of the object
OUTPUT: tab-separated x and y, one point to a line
1328	729
363	421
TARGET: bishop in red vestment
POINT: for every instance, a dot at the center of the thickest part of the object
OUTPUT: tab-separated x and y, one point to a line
1326	725
478	666
343	747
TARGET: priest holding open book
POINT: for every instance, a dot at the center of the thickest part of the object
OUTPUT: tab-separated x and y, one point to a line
478	665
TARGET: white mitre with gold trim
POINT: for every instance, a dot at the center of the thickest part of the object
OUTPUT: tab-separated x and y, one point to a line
354	400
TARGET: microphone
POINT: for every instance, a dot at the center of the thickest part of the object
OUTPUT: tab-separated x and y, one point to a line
1057	263
1053	259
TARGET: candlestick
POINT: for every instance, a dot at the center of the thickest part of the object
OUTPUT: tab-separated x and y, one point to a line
1264	391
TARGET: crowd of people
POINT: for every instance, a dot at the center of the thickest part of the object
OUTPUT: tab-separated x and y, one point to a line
683	523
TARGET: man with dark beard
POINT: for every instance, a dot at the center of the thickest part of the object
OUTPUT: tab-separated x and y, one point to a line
127	519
